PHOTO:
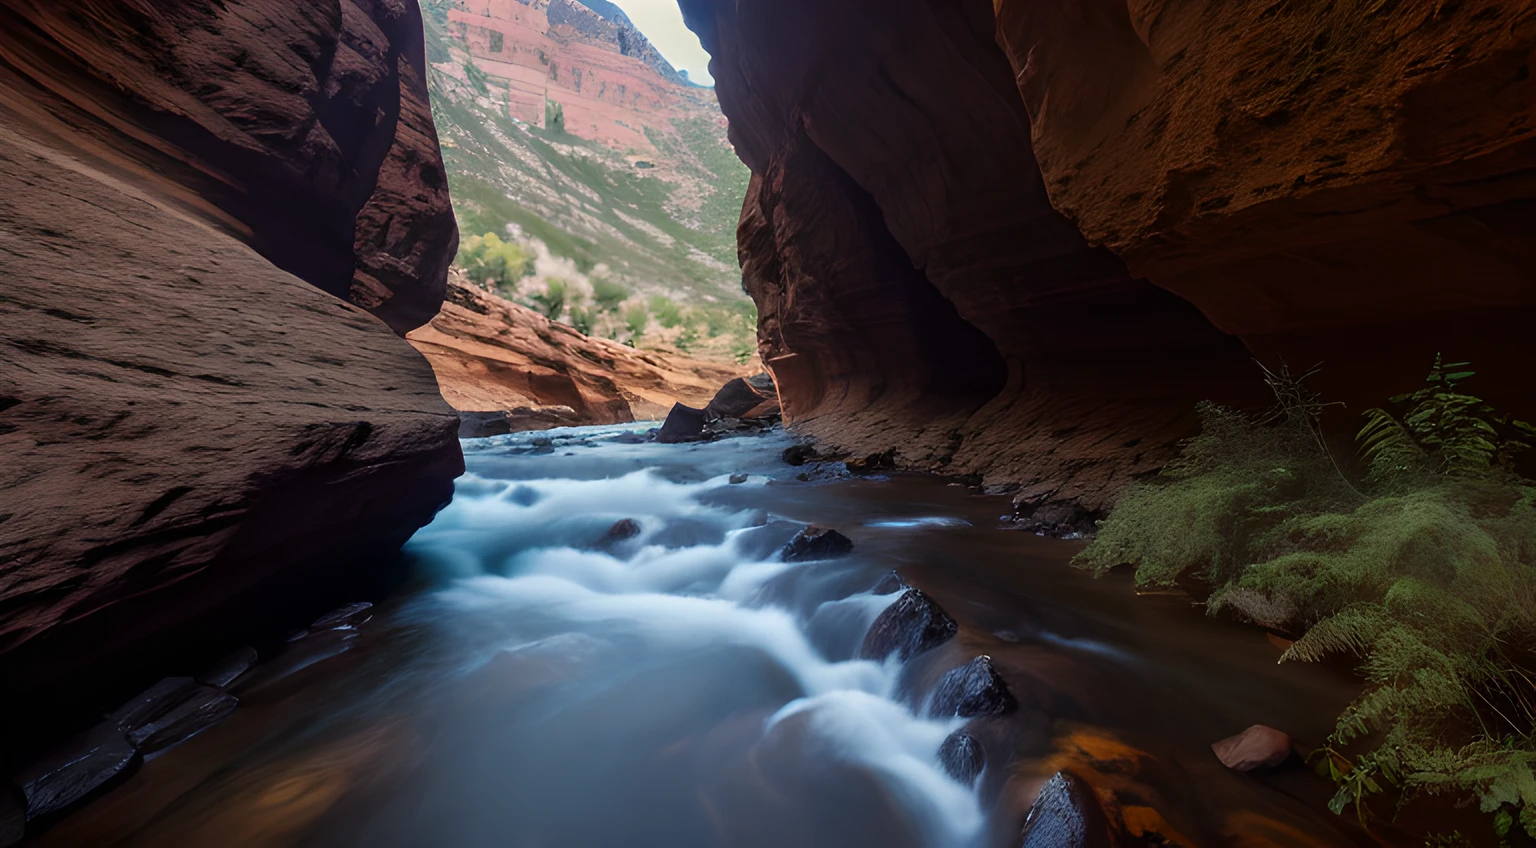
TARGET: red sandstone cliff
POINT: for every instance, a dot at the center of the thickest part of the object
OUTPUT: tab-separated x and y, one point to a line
493	355
608	81
1024	241
198	439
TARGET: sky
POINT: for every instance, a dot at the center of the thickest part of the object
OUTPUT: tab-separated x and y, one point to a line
662	23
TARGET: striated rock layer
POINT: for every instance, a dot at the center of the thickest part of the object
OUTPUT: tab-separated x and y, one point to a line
200	445
492	355
302	129
927	281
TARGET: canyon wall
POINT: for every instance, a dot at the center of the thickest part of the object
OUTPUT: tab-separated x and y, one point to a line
203	439
608	81
1024	241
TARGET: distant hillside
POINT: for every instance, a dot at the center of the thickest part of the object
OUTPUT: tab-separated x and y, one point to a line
603	174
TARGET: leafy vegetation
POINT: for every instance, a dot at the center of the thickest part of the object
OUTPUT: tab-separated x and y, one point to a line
1424	567
490	260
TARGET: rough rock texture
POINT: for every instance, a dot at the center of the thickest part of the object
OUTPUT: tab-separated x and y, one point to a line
1339	182
494	355
816	543
607	80
962	757
1067	814
302	129
182	423
908	627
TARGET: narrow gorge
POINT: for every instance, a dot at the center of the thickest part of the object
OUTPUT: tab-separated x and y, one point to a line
947	425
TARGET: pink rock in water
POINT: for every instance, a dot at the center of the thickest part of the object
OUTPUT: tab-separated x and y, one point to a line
1258	747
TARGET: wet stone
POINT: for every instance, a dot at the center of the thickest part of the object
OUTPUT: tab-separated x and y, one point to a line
816	543
351	615
75	769
1066	814
622	531
683	424
962	757
889	584
229	669
908	627
202	708
765	540
974	689
299	655
738	479
150	703
1254	749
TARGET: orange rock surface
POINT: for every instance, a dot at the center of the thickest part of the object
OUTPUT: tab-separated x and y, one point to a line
494	355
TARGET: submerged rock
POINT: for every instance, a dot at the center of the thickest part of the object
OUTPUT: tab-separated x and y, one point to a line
299	655
622	531
890	583
738	479
1256	748
200	708
228	670
974	689
75	769
1066	814
814	543
962	757
151	702
351	615
910	626
683	424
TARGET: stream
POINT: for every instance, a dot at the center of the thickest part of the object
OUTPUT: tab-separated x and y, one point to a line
537	685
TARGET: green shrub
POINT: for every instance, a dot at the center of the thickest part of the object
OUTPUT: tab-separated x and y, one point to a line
608	294
552	300
489	259
1425	569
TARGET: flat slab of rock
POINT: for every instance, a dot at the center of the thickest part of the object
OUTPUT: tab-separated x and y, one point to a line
202	708
908	627
151	702
228	670
351	615
962	757
815	543
974	689
683	424
1066	814
1254	749
67	774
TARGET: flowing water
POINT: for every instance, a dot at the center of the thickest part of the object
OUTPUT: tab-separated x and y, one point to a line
537	686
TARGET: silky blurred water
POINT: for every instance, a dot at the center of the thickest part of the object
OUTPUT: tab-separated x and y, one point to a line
539	686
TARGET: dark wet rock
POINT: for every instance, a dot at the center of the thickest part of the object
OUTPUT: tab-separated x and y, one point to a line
351	615
767	539
683	424
480	425
228	670
814	543
299	655
798	455
738	479
1057	519
1066	814
888	584
201	707
1256	748
974	689
745	397
962	757
872	464
908	627
75	769
153	701
13	816
622	531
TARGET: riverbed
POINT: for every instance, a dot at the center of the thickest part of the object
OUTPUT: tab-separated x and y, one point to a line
545	681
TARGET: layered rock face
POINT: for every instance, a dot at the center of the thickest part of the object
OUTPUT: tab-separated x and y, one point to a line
607	80
302	129
199	444
1025	240
492	355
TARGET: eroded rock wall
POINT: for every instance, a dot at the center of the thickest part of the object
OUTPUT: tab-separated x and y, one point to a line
203	439
1129	200
302	129
917	288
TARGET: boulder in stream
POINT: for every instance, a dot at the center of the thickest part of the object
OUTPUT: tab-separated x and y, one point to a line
962	757
889	584
683	424
908	627
1256	748
815	543
1066	814
974	689
622	531
171	711
75	769
228	670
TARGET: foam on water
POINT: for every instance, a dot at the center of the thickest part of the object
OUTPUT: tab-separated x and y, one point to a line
511	553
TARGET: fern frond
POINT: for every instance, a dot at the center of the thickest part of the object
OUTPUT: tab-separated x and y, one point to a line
1387	446
1351	631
